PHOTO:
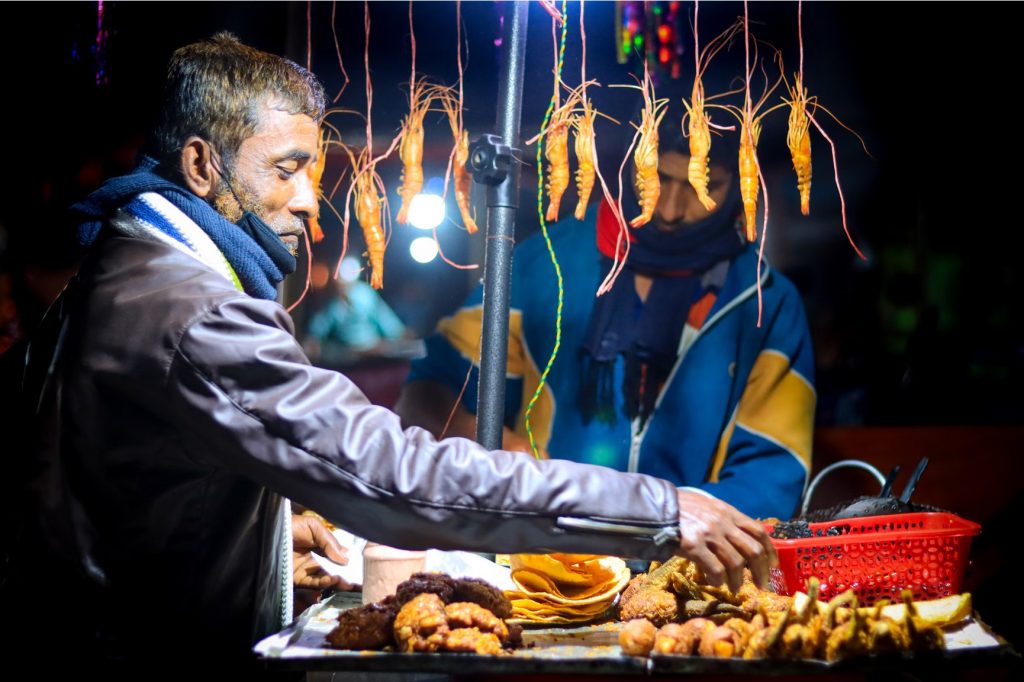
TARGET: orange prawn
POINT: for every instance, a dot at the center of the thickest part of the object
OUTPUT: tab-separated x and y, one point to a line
751	178
556	151
363	192
463	182
750	131
798	139
368	215
460	157
645	156
798	136
583	125
316	172
699	132
410	150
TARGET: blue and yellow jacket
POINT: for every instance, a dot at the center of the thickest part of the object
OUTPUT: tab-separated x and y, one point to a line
734	418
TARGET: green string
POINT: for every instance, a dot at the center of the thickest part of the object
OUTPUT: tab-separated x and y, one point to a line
547	238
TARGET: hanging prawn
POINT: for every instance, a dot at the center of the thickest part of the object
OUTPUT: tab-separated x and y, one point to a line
410	149
556	151
586	153
460	157
750	132
751	178
316	173
798	139
699	132
645	156
368	215
463	181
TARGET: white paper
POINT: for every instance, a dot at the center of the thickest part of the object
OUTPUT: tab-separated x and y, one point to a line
352	572
455	564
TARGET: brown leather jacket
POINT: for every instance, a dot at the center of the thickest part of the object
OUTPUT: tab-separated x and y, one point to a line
179	409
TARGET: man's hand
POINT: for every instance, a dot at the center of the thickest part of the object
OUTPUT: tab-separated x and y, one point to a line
309	534
722	541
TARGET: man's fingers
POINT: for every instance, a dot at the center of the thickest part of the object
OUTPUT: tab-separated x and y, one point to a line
326	541
754	553
759	534
709	564
732	560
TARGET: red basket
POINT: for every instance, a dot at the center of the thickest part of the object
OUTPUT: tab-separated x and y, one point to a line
879	556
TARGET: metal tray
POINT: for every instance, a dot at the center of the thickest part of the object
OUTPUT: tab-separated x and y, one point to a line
594	649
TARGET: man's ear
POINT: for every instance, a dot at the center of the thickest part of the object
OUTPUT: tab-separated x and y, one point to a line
197	167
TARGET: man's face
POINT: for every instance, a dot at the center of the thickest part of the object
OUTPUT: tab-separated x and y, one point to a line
678	205
270	176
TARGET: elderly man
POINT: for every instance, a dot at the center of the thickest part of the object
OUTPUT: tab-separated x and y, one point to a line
176	413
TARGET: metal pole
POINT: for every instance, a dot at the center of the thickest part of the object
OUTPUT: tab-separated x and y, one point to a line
502	203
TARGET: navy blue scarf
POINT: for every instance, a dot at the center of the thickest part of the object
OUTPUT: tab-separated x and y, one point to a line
260	262
647	333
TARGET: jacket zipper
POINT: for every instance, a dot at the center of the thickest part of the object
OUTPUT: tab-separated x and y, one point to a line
659	535
636	430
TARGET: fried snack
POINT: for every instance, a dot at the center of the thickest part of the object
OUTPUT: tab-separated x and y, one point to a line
636	638
721	642
483	593
470	615
366	627
471	640
682	640
421	624
641	599
420	583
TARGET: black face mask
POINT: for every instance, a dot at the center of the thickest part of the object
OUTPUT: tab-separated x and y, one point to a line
267	239
262	234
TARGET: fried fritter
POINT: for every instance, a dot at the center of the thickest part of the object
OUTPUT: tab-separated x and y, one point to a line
642	599
421	624
420	583
682	640
473	641
636	638
470	615
720	642
483	593
366	627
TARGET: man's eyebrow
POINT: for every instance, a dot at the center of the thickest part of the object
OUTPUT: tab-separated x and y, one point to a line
294	155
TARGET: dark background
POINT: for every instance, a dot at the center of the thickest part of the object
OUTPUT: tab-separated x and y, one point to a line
925	332
922	332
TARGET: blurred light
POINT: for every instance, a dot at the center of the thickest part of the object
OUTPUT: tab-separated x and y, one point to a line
423	249
350	269
426	210
318	276
664	33
663	56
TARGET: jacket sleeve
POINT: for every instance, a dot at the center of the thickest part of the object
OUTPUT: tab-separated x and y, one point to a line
764	455
247	398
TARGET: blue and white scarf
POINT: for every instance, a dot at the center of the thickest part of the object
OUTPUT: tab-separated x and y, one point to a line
145	203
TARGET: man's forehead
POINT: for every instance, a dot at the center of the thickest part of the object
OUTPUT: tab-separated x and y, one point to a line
284	133
675	160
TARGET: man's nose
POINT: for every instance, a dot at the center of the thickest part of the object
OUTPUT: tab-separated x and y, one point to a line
304	203
672	202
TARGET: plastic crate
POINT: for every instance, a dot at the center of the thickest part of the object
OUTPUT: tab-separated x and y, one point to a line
879	556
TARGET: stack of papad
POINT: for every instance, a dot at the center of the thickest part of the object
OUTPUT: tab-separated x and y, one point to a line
563	589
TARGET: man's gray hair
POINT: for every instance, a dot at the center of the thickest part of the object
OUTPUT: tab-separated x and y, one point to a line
216	89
